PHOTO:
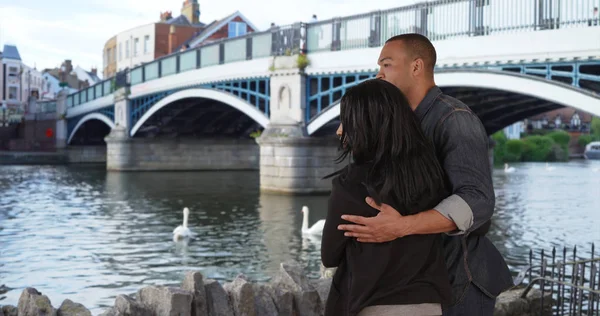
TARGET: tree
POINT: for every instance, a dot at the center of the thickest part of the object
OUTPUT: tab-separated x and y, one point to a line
595	126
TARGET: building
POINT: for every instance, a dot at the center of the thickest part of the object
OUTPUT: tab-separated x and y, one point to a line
233	25
19	83
52	87
89	76
67	74
567	118
514	131
10	92
146	43
110	58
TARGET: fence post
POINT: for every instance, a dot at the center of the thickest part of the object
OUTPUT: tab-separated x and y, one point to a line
375	34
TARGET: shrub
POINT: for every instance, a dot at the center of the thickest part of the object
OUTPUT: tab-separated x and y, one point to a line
537	148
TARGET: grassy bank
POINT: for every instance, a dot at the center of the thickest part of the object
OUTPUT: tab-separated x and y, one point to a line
552	146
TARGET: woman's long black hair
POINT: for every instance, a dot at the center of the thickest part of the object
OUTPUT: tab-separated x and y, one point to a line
380	128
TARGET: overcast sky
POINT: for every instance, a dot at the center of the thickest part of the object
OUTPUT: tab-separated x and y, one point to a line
48	31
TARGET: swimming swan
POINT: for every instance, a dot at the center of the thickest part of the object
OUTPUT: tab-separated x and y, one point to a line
316	229
182	231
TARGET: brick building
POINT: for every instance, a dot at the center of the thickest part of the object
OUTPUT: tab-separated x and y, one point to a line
148	42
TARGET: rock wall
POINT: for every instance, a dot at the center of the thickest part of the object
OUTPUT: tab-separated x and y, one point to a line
290	293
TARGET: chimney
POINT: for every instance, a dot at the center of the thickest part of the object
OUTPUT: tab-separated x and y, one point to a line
172	39
68	66
165	16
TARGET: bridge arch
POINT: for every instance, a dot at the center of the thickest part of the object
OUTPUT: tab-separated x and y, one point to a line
203	93
88	117
525	85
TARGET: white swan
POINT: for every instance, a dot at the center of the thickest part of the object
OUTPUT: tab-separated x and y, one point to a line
182	231
508	169
548	168
316	229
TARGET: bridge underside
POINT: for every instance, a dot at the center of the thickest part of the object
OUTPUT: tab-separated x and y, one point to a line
92	133
198	118
498	109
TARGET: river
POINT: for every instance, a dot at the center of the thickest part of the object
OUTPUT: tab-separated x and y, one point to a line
88	235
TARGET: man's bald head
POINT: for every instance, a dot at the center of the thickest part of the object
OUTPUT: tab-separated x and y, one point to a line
418	46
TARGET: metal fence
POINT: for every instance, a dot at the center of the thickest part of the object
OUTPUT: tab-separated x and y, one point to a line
438	20
570	281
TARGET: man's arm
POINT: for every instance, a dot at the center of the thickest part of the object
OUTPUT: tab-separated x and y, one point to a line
465	159
464	154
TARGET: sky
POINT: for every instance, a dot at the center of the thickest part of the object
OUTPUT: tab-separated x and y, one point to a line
46	32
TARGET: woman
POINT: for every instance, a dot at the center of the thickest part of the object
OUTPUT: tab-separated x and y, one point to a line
393	162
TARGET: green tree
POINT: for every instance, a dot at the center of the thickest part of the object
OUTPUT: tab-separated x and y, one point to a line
499	148
595	126
513	150
537	148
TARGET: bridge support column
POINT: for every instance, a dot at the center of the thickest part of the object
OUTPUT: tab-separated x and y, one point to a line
292	163
288	92
118	147
61	134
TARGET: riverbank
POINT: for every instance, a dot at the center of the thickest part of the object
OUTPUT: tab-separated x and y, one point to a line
289	293
72	155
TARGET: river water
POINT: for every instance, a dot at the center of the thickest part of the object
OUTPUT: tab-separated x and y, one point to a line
88	235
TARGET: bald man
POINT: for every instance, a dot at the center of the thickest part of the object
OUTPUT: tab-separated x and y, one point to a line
478	273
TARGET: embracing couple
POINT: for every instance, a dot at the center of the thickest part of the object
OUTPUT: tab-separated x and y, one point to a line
408	214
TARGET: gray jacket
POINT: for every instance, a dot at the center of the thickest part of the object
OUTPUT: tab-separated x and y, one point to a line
461	144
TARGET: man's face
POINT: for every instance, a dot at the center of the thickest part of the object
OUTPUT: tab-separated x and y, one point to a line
395	66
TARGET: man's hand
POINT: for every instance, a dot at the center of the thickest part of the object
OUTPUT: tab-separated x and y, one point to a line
386	226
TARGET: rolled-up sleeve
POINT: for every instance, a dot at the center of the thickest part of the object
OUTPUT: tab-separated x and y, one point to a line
463	148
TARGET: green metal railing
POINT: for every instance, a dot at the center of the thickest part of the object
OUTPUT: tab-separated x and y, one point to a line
438	20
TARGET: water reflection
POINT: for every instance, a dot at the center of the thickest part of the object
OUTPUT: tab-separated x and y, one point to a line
89	235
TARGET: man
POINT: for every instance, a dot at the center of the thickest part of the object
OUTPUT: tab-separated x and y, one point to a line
477	271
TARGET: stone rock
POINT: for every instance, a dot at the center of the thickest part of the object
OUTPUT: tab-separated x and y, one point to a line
110	312
70	308
263	301
306	298
322	286
283	299
10	310
166	301
241	296
217	299
194	282
33	303
126	306
510	303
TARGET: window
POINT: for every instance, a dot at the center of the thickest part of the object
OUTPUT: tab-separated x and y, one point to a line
120	51
136	46
557	121
13	71
12	93
127	49
575	121
146	44
236	29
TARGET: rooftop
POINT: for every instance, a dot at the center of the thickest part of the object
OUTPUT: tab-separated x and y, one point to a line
11	52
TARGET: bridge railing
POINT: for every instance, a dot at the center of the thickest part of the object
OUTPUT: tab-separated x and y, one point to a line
100	89
438	20
276	41
447	19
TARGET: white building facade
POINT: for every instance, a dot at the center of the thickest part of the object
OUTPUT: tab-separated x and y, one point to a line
135	46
